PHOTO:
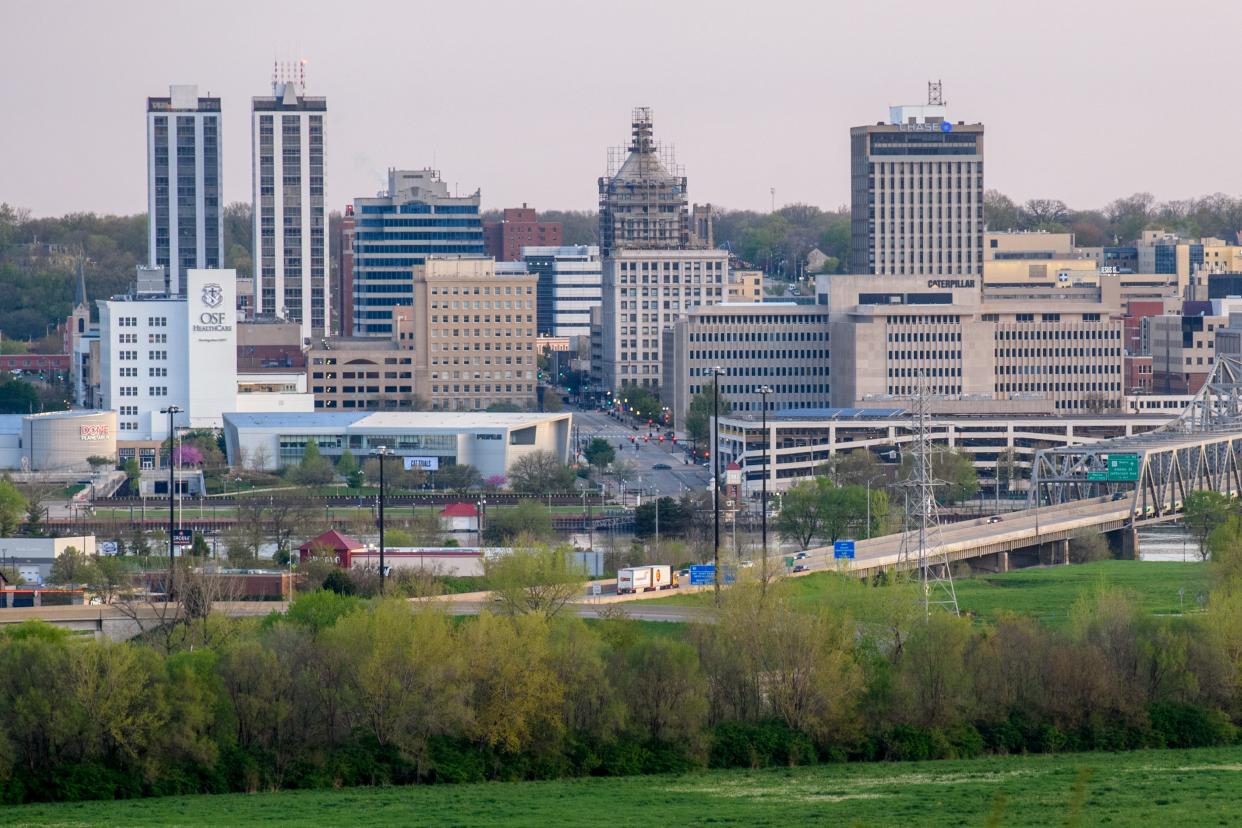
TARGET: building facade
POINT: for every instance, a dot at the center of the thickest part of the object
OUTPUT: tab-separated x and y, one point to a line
367	373
473	334
290	219
343	301
158	351
519	227
569	285
776	344
892	336
185	225
416	218
644	293
489	442
917	195
1183	347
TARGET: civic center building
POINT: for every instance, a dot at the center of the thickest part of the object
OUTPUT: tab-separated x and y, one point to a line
427	439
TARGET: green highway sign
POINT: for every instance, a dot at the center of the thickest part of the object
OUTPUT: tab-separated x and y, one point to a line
789	562
1123	466
1097	475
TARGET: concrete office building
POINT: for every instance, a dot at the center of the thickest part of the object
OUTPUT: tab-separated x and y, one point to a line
776	344
473	334
917	194
343	300
415	218
570	284
645	292
365	372
519	227
290	220
185	225
1183	346
489	442
892	335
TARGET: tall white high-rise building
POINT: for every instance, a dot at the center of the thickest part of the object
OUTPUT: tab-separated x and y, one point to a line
917	194
290	221
185	224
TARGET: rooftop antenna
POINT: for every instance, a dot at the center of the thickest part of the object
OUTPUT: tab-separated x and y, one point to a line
935	93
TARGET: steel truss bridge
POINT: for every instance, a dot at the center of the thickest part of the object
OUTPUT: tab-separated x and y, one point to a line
1200	450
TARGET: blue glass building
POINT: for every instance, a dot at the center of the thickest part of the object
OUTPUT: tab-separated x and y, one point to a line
415	219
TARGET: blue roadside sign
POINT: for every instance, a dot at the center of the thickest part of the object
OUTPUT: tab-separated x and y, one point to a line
843	549
705	575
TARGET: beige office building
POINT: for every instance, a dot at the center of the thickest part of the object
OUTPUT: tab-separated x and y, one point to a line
474	334
892	336
645	292
781	345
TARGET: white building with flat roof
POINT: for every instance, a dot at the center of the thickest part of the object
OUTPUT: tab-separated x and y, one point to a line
158	351
427	439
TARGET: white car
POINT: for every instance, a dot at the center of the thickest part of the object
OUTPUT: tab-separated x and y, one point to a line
745	564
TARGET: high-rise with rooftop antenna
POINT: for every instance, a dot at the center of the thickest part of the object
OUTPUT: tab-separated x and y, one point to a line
290	220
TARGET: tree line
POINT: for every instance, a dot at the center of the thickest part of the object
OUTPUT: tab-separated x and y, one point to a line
343	691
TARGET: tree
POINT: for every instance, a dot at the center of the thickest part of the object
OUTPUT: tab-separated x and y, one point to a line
347	467
396	475
854	468
503	407
98	462
529	519
540	472
12	506
700	413
314	469
70	567
599	452
802	515
199	547
187	455
290	514
18	397
458	477
674	518
640	402
133	474
955	469
538	580
1203	511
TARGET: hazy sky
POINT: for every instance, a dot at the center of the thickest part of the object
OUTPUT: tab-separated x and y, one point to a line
1083	101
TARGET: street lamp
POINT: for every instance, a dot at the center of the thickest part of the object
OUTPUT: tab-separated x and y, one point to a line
764	390
717	373
171	411
381	453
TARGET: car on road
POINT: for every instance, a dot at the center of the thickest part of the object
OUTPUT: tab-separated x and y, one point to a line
1119	496
745	564
801	568
802	556
661	467
995	519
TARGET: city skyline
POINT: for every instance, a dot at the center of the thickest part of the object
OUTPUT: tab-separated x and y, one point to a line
1064	96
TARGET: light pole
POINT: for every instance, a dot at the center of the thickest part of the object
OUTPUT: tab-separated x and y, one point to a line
382	454
171	411
717	373
764	390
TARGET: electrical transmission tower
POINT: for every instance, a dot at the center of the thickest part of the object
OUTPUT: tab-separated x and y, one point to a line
921	546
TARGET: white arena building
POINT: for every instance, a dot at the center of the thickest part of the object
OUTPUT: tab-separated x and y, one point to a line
429	439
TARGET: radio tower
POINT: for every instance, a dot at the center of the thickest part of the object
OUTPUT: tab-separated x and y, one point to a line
921	546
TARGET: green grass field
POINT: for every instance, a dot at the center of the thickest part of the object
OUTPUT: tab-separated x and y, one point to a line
1185	788
1046	593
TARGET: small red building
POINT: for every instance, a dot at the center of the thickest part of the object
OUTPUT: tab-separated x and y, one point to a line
331	542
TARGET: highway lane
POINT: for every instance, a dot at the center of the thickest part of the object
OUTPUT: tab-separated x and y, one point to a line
1026	524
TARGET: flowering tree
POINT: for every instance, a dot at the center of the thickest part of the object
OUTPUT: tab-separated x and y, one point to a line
496	481
187	455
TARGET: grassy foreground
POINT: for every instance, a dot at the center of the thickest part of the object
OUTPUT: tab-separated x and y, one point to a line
1046	593
1169	787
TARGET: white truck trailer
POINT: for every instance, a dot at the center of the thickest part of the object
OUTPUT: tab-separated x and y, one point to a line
645	579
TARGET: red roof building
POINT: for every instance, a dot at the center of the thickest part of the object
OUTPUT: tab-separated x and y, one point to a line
341	547
456	510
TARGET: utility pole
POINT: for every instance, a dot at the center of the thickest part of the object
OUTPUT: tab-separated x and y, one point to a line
382	454
171	411
717	373
767	447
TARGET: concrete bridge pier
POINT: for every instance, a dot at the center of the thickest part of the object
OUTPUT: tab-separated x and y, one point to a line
1124	542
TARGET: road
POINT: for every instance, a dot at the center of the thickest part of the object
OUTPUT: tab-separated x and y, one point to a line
1018	526
679	477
